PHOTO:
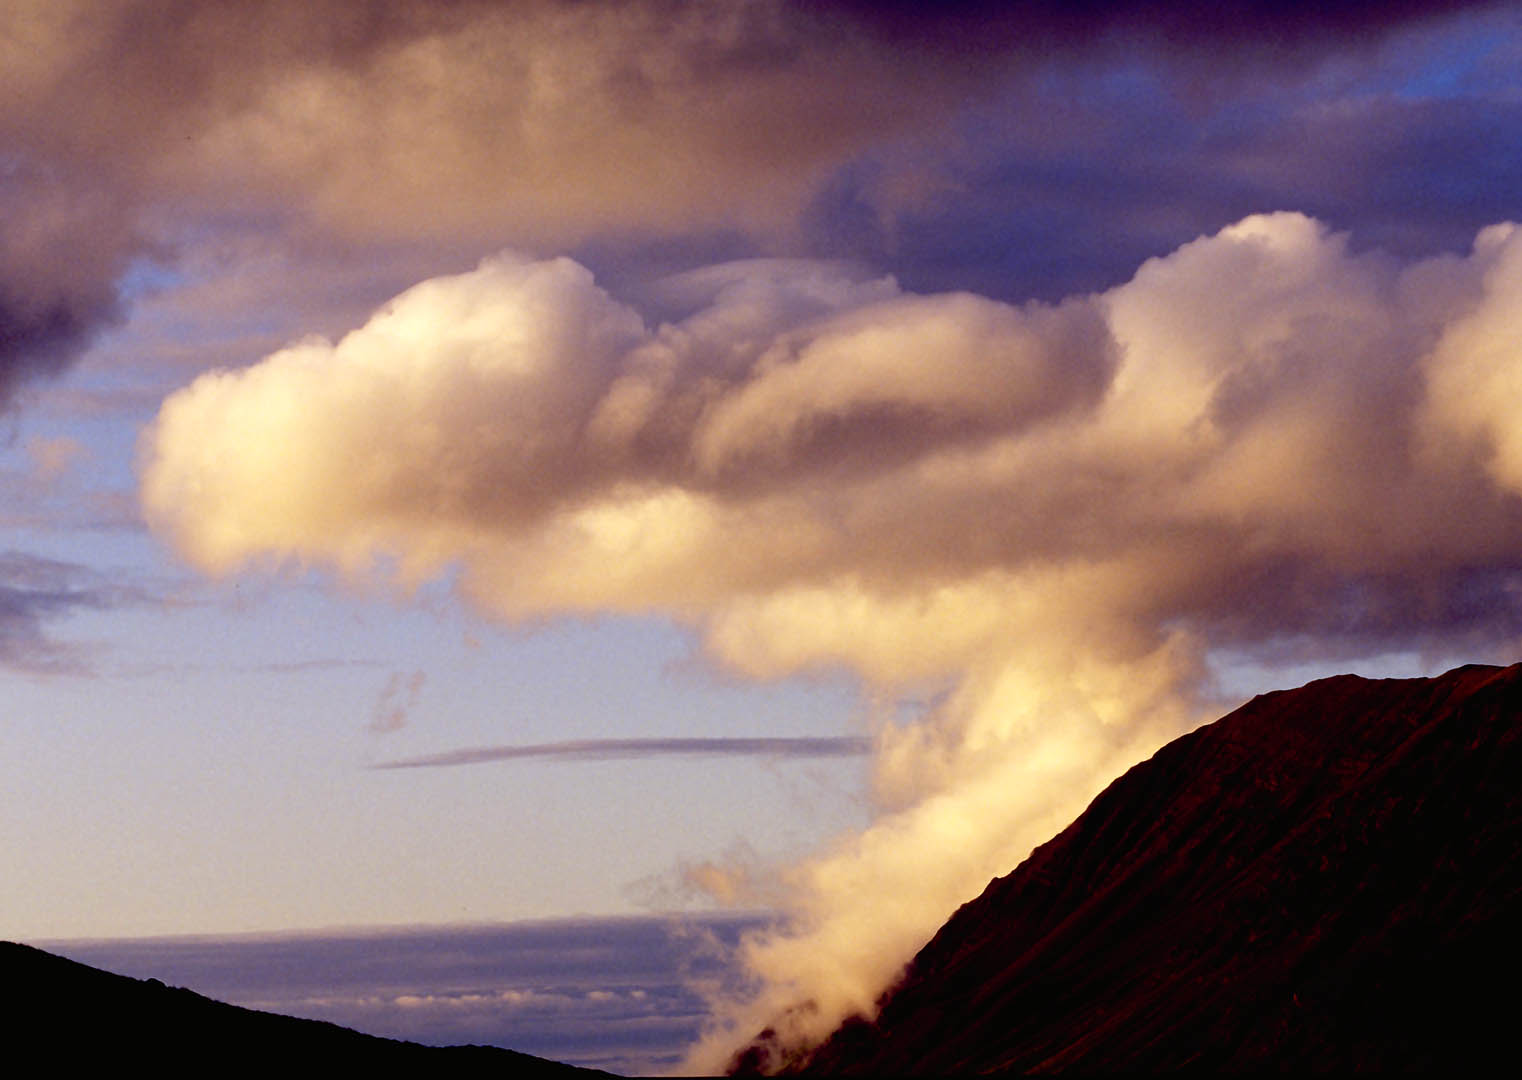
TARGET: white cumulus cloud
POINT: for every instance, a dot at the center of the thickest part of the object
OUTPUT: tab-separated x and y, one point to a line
1265	442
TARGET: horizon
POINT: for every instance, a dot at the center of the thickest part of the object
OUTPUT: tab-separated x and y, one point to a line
624	1004
468	465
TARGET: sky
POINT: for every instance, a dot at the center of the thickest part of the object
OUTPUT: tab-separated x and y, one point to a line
472	463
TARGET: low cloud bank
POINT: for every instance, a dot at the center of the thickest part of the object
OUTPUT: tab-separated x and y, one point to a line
614	994
1051	516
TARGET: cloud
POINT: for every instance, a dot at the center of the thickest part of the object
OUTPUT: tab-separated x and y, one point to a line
397	699
414	118
34	591
773	747
611	993
559	120
1055	194
1053	515
296	667
62	249
137	129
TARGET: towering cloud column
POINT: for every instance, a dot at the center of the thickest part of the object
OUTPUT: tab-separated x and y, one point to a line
1055	516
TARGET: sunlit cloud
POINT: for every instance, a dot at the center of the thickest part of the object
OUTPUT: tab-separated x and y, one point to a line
1088	448
1055	514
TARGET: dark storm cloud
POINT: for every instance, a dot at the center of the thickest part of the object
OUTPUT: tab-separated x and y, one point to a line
1067	187
62	247
775	747
1205	49
1408	176
556	124
1077	21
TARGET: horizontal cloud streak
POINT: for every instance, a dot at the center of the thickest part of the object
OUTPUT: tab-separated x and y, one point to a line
34	591
777	747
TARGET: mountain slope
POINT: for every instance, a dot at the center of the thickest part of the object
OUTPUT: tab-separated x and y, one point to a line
1326	879
81	1017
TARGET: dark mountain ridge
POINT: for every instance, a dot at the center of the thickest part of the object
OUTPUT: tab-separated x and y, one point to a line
75	1017
1327	879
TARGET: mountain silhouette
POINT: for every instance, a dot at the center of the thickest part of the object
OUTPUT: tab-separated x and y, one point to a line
70	1017
1328	879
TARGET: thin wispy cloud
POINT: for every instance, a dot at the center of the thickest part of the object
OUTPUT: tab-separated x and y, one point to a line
824	746
36	591
322	663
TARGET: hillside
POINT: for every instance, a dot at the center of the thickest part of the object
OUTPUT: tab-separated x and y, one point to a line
80	1017
1326	879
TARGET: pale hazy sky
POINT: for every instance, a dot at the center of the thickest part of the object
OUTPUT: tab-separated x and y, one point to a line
946	409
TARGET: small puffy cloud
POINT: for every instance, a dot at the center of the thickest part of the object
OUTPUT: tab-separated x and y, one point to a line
1052	514
497	402
396	702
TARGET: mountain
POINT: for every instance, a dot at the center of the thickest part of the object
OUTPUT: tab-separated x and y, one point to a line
71	1017
1328	879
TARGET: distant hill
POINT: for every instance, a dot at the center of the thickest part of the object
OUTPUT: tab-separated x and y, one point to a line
72	1016
1328	879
